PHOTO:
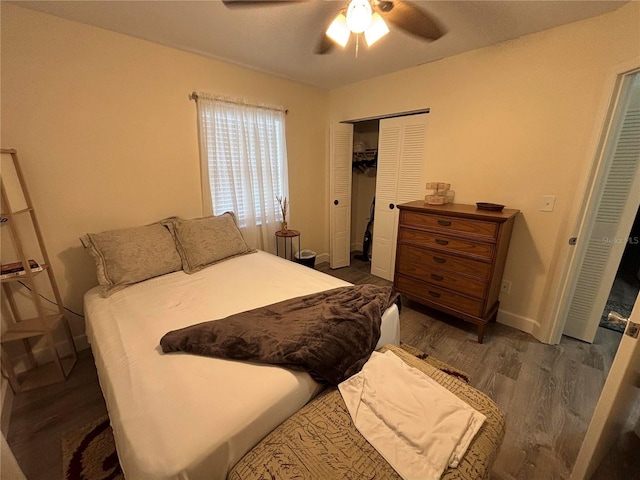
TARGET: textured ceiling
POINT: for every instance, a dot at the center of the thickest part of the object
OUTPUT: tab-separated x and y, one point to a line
280	39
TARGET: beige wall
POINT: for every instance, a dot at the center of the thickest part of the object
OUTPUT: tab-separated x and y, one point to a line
107	138
107	135
508	124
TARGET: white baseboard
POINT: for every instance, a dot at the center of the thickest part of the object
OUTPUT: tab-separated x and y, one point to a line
81	342
524	324
44	354
6	404
322	258
356	247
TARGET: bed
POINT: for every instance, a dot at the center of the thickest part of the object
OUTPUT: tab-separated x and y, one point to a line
298	449
190	417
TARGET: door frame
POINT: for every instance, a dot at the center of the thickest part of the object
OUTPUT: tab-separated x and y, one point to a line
584	210
614	407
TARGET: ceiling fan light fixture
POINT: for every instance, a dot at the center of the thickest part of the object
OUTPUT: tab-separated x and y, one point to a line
338	31
376	30
358	15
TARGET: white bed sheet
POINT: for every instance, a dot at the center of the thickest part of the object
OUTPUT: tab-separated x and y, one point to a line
183	416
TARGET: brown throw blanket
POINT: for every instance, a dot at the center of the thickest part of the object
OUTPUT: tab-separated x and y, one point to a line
329	334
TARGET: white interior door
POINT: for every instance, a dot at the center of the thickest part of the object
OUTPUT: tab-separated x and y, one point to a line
389	138
401	157
612	416
340	160
615	203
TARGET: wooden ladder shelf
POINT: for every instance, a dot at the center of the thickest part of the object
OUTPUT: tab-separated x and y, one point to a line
45	323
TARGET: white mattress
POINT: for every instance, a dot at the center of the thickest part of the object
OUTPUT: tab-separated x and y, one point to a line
187	417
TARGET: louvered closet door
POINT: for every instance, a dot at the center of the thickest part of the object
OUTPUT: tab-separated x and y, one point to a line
613	219
401	157
340	191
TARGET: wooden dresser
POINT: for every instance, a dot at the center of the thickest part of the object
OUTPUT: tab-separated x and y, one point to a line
451	258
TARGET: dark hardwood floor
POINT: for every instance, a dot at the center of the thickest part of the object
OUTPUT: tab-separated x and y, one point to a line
40	417
547	392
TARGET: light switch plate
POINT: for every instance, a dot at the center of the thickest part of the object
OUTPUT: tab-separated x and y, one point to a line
547	203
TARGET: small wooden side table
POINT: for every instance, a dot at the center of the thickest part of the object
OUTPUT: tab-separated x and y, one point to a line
287	235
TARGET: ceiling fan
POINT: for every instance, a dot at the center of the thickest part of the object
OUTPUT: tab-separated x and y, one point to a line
368	17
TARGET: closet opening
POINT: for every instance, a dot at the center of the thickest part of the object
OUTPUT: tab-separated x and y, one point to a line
375	157
363	187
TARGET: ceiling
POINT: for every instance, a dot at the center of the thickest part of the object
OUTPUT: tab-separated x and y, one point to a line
280	39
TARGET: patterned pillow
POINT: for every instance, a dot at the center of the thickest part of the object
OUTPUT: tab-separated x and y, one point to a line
130	255
207	240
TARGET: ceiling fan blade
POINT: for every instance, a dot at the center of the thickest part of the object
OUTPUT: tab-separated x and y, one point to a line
257	3
413	20
325	45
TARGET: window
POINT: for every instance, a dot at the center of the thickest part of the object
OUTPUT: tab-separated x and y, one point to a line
244	165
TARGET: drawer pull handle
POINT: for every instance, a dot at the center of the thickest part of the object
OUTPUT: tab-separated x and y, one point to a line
434	294
439	259
439	278
439	241
444	223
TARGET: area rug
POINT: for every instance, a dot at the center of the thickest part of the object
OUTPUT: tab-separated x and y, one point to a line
622	308
89	453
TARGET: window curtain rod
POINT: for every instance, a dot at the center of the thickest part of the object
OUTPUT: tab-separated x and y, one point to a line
196	95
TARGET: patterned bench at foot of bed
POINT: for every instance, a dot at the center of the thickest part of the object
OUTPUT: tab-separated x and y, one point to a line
321	442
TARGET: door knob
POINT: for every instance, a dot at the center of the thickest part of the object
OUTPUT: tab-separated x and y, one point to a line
615	317
391	206
632	330
336	202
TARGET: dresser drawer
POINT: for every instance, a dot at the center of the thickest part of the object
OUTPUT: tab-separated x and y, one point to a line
443	242
441	278
437	295
430	259
449	224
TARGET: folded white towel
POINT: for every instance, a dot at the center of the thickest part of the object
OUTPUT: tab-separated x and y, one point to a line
415	423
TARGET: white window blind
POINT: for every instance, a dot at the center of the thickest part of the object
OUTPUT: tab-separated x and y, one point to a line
244	165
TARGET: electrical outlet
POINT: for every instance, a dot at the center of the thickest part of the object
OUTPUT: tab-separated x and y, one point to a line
505	287
547	203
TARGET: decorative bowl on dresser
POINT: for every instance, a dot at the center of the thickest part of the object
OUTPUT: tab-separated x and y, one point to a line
451	258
